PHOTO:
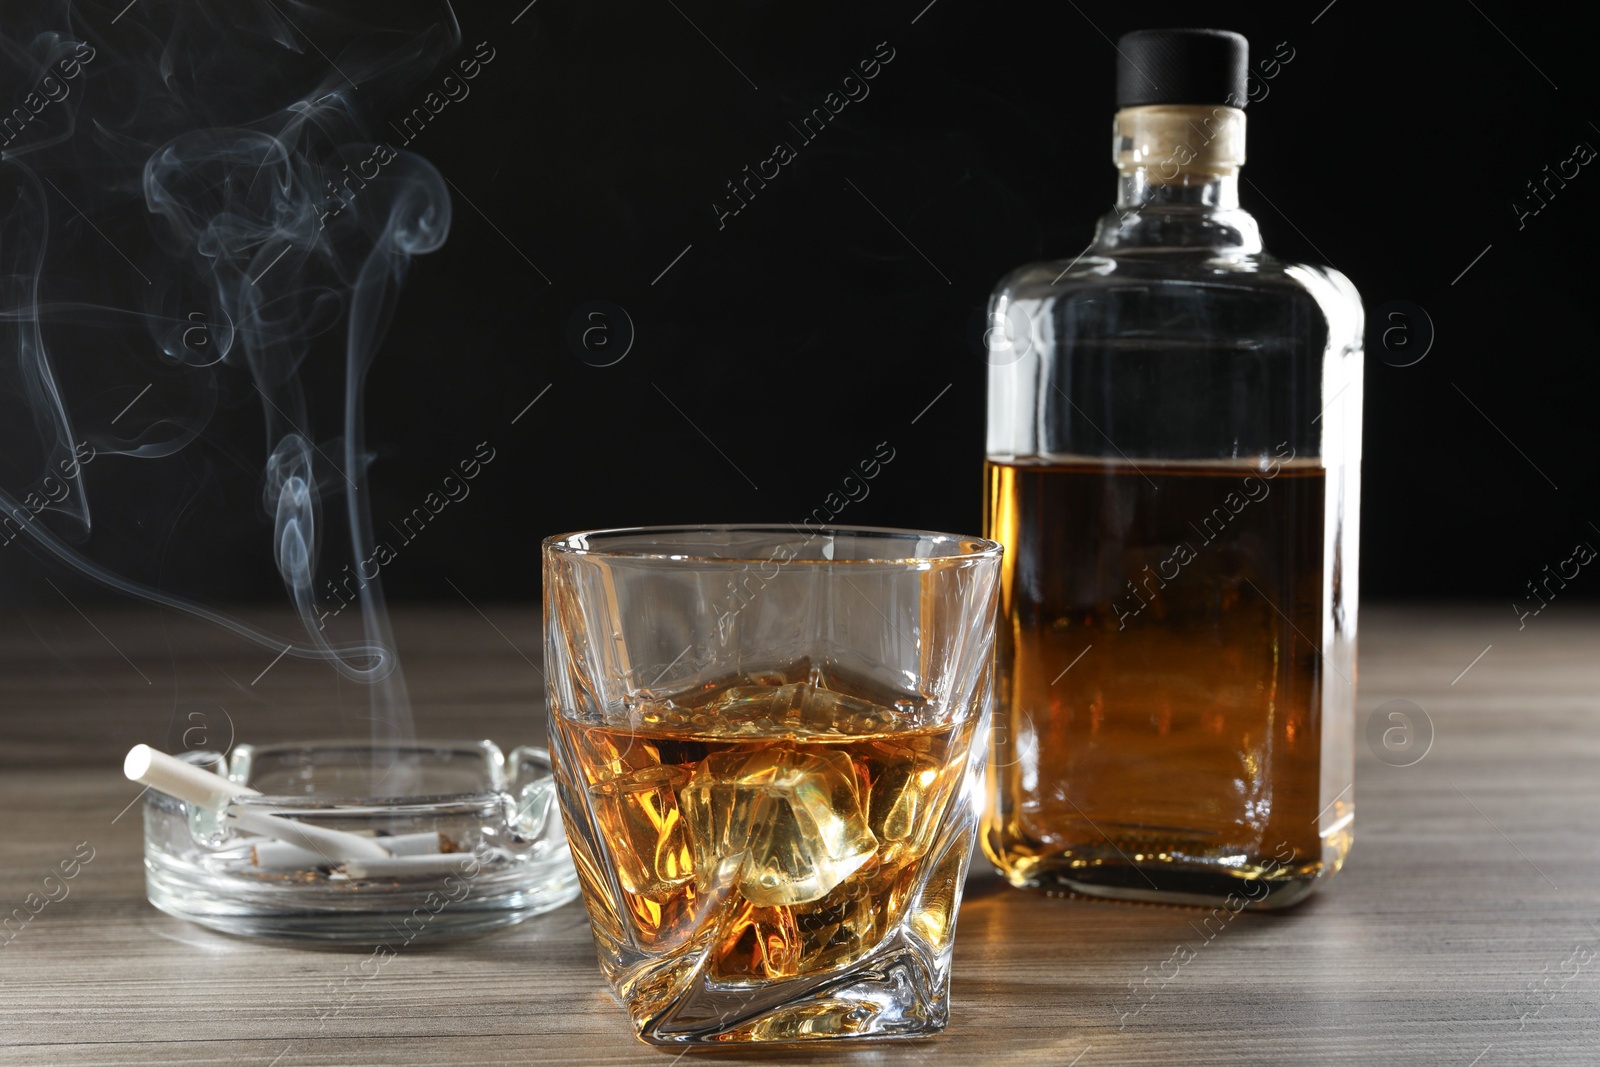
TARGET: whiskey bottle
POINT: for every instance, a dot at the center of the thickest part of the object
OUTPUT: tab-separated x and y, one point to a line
1173	464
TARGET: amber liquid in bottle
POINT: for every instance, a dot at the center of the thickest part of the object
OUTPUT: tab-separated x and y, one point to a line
1157	728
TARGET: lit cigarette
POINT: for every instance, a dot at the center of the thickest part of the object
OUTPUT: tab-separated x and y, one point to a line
213	792
281	855
414	866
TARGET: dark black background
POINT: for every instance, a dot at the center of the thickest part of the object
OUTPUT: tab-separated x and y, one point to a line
809	329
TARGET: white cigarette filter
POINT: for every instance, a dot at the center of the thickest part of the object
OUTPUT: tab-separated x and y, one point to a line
280	855
174	777
187	782
410	866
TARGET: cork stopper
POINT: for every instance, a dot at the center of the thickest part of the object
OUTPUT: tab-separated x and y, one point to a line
1179	144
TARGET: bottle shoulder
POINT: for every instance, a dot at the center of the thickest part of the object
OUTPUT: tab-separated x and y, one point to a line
1173	286
1098	274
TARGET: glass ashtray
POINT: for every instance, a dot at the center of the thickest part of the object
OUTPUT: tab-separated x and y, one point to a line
480	831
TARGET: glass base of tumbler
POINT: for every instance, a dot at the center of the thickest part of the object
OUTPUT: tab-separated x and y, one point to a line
902	990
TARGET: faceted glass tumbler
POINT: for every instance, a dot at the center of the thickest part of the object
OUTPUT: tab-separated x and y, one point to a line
768	746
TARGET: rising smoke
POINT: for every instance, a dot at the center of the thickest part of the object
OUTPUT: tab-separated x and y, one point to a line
226	154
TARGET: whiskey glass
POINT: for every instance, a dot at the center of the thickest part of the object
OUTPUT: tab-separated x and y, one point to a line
768	746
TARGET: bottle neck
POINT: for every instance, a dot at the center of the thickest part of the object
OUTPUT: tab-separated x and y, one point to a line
1178	181
1142	187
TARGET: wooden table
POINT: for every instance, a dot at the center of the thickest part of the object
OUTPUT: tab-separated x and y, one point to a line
1464	930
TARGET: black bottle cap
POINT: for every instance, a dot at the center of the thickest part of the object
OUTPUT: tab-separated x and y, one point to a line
1182	67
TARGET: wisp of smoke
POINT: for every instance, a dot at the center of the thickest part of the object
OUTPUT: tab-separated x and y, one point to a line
270	207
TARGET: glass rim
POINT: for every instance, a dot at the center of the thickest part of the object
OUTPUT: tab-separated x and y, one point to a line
969	548
497	770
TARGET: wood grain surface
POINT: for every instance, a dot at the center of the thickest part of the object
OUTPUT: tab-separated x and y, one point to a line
1465	928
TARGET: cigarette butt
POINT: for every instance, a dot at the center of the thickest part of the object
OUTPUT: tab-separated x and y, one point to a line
281	855
329	846
413	866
